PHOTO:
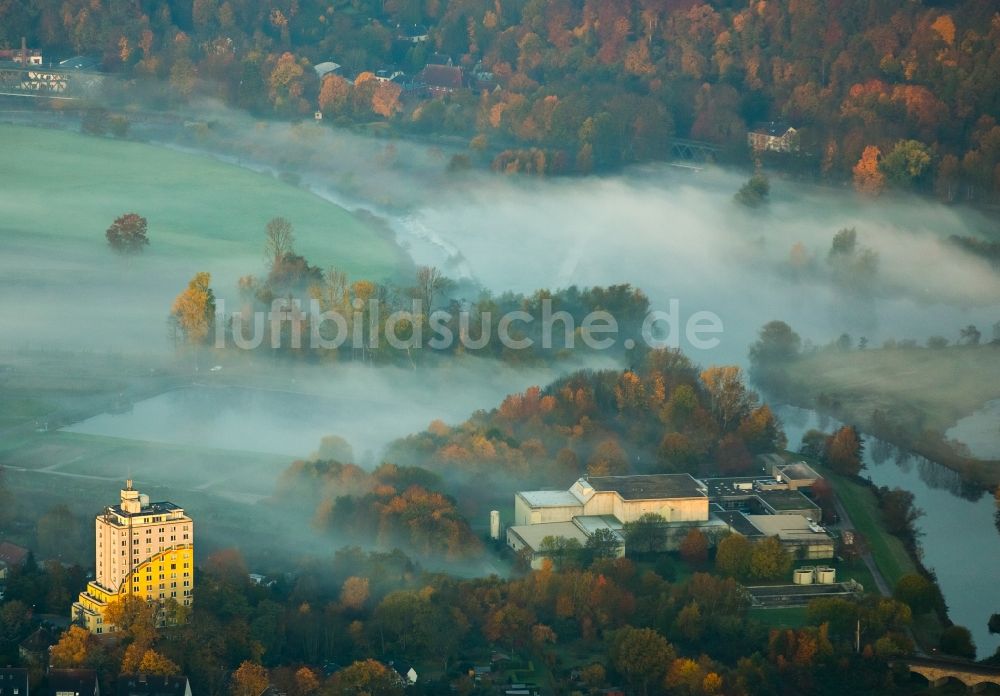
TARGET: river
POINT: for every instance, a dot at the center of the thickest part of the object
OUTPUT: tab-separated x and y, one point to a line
958	538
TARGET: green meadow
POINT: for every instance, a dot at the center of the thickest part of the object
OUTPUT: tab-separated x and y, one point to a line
61	190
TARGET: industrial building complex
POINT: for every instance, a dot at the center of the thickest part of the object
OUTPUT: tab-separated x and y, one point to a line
769	505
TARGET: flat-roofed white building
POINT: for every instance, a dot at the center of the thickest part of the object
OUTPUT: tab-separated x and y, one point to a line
675	497
605	502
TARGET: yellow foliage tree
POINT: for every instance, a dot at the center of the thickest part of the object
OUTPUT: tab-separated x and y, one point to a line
868	178
250	679
194	309
74	649
385	99
153	662
945	27
334	96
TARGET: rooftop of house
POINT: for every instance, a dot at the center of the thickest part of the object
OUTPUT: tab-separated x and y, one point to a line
150	685
13	681
787	527
650	487
80	682
591	523
740	486
799	471
549	498
776	128
159	508
411	31
533	534
11	554
448	76
39	641
738	522
326	67
786	500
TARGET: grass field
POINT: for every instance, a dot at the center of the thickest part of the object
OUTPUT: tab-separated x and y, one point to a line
61	190
889	553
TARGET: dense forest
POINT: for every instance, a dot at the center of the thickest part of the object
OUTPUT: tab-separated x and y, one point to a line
662	416
893	95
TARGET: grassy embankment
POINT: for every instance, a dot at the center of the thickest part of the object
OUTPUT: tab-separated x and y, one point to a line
920	392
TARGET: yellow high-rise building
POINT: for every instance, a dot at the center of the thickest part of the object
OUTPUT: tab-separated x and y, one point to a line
143	549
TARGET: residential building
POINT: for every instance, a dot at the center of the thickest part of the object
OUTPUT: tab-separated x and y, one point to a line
141	548
14	682
73	682
152	685
773	136
34	649
441	79
26	56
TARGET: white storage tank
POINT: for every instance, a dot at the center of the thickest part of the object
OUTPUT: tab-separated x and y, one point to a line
495	525
803	576
826	576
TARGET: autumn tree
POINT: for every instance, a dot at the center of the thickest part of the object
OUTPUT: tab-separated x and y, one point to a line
899	512
154	663
843	451
641	655
354	593
918	592
732	556
279	240
133	617
385	98
286	86
906	164
730	399
603	543
77	647
957	640
193	311
754	193
694	547
608	459
769	560
646	534
868	177
250	679
127	234
366	677
334	96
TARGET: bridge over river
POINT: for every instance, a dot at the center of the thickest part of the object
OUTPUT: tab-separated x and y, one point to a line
939	670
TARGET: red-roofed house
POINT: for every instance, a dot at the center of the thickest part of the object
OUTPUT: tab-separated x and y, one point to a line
442	79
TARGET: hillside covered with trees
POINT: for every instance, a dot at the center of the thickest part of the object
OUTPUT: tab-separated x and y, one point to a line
662	416
893	95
